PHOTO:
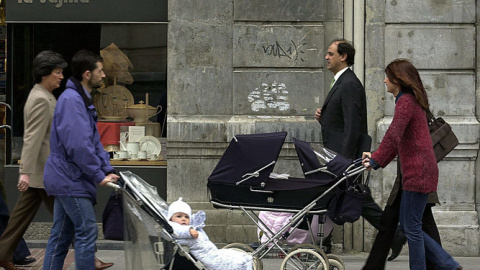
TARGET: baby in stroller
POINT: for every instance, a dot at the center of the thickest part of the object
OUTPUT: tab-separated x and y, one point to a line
197	241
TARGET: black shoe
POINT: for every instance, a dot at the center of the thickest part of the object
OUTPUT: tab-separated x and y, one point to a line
393	256
398	241
25	261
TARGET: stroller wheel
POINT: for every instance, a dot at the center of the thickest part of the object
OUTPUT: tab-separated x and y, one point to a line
315	248
304	259
333	257
336	265
257	263
240	246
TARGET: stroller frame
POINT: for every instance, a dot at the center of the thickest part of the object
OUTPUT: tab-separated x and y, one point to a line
147	203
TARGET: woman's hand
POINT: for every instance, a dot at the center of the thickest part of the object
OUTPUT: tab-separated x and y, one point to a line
23	182
366	156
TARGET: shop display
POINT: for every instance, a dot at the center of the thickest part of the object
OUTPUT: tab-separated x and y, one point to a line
151	145
111	102
148	147
142	112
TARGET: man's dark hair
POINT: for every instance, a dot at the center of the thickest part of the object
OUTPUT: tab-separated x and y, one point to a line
82	61
45	62
346	47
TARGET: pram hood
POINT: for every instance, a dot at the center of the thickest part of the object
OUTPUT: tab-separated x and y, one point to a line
242	176
249	159
318	162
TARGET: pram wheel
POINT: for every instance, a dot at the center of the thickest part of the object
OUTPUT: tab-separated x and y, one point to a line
304	259
336	265
240	246
336	258
257	263
315	248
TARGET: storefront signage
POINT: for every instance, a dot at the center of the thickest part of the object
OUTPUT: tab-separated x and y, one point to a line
86	11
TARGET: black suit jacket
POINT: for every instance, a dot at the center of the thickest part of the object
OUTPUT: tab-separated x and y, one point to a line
344	115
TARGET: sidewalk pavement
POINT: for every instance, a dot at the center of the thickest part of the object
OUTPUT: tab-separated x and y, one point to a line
112	251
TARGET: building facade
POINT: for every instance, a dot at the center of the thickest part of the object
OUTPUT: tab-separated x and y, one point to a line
239	67
254	66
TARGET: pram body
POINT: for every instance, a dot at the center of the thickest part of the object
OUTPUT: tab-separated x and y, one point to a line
242	177
241	180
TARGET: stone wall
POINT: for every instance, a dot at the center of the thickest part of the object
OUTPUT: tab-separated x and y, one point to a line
237	67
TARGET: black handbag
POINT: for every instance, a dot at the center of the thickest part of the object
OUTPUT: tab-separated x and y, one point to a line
112	217
443	138
347	202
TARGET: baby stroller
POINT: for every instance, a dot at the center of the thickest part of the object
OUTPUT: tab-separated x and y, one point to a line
241	180
148	237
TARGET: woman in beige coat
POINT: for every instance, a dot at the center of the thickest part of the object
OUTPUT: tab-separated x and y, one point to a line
38	113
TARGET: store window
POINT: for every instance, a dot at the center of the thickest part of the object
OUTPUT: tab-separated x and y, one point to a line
143	44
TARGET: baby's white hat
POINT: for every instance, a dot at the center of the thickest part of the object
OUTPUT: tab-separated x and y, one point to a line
179	206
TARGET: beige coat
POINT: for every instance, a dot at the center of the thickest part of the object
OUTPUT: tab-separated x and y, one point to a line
37	117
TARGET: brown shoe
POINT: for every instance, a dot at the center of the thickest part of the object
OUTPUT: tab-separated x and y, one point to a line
9	265
99	265
25	261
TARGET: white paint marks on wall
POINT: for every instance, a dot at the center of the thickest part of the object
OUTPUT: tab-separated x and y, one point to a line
269	96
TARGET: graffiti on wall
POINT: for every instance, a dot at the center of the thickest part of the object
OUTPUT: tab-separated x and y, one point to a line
269	96
291	51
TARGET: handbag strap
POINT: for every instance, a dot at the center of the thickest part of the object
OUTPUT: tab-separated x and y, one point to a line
430	116
367	179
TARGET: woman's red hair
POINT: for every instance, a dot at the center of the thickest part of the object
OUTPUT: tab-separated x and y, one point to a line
403	73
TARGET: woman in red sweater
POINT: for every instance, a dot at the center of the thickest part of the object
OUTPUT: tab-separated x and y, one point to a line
409	138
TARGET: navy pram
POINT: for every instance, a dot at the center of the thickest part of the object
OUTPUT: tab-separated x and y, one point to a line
242	180
242	176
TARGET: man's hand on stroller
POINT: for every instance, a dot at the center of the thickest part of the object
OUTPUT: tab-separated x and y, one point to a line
193	233
366	156
111	178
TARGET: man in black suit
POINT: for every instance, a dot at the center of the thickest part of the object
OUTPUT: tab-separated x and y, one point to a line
343	117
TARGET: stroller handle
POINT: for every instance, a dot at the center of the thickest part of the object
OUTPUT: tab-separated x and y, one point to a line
113	185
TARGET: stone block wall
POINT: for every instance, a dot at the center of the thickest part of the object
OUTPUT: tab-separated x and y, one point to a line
243	66
239	67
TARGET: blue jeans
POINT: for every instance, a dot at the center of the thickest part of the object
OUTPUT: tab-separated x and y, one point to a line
419	243
73	217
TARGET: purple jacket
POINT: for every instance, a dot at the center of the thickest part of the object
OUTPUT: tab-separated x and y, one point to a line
77	161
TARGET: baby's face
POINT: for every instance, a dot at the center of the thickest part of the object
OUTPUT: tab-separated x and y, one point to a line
181	218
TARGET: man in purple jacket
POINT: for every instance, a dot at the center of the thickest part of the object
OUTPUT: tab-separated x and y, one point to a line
76	165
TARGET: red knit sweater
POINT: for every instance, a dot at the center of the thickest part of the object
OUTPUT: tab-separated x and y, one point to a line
408	136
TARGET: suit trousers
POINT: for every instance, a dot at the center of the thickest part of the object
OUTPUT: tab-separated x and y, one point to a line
371	211
21	251
22	215
389	223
